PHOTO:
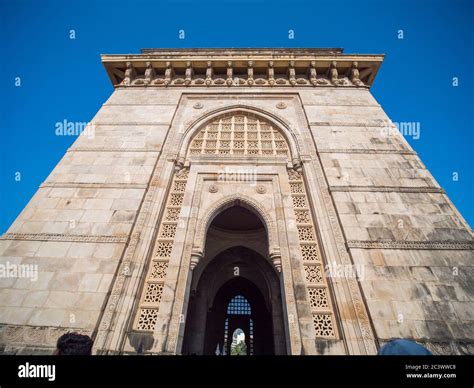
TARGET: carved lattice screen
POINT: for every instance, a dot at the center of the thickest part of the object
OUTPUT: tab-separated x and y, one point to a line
317	288
239	135
147	314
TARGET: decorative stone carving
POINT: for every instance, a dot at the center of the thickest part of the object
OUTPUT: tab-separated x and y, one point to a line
229	80
313	74
213	189
355	74
179	164
149	73
318	295
387	189
441	348
261	189
147	314
292	73
130	74
168	74
364	151
360	73
182	174
297	166
322	81
188	75
95	185
333	73
294	175
198	105
64	237
281	105
209	73
465	347
36	336
412	245
238	135
323	325
271	74
250	80
196	256
275	257
344	81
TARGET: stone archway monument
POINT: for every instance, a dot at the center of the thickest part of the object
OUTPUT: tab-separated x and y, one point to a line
247	158
255	192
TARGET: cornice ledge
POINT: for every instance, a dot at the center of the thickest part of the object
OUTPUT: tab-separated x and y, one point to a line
237	68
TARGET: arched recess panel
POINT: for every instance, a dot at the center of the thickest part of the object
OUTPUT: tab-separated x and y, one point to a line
239	134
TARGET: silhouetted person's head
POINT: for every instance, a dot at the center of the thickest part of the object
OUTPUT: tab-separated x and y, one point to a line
74	344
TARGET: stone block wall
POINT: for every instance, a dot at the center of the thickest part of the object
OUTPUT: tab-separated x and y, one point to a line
415	248
77	225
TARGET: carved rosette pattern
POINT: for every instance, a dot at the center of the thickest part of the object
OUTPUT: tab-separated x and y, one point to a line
147	314
239	135
316	284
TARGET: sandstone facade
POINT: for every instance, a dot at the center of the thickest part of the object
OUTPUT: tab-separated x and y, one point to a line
121	229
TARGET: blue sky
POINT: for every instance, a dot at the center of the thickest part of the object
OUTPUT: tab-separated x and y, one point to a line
63	79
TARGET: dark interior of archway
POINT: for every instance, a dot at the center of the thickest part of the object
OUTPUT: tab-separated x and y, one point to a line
237	218
257	326
207	314
255	322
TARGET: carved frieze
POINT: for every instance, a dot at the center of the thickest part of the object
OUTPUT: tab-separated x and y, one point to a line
230	69
387	189
412	245
40	336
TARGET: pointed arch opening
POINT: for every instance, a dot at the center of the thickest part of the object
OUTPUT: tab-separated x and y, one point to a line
235	286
